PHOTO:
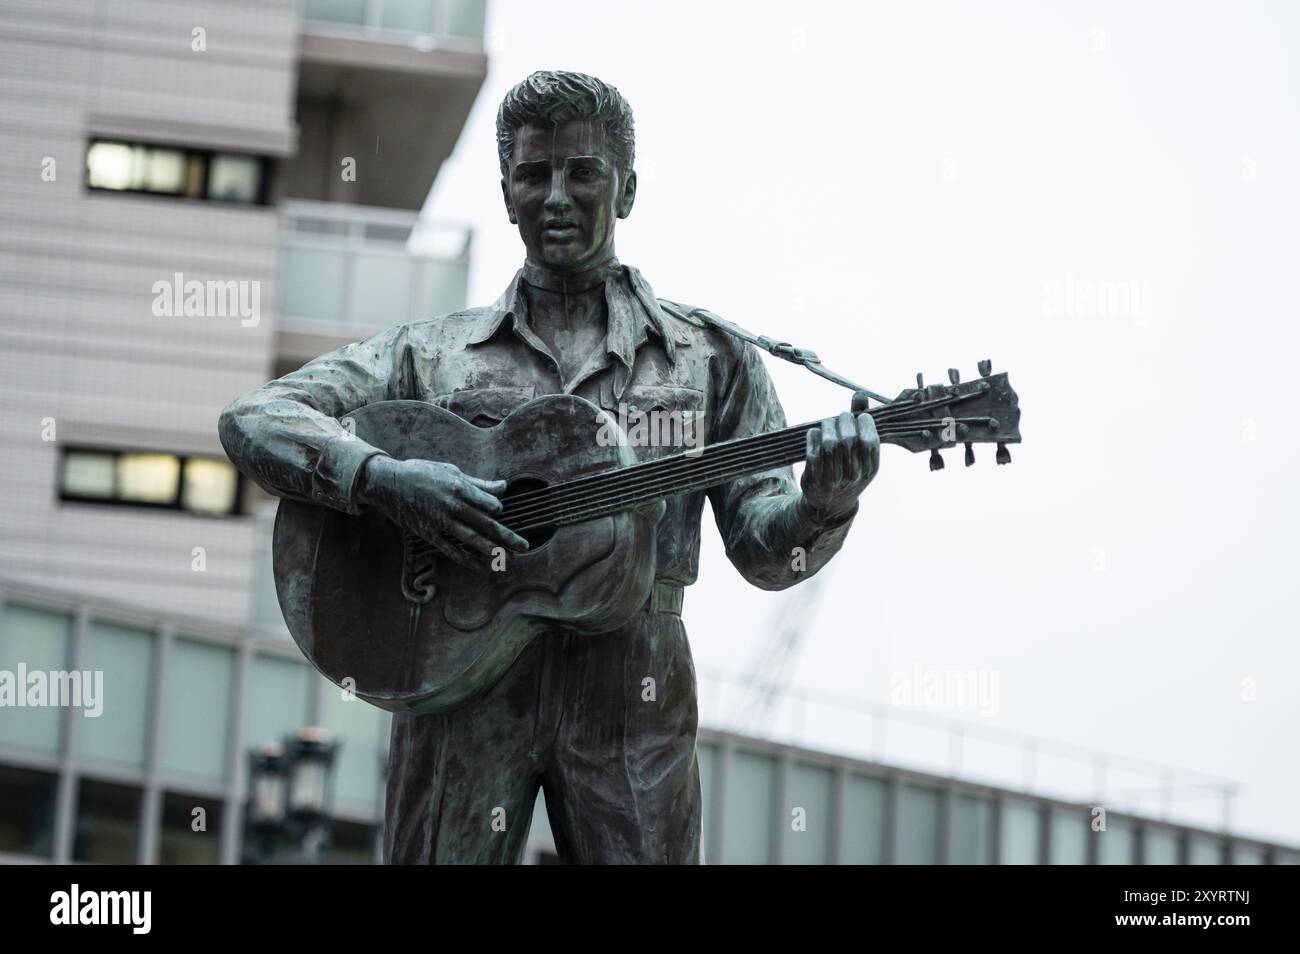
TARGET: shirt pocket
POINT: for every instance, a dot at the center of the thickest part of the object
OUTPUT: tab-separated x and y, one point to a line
660	419
485	407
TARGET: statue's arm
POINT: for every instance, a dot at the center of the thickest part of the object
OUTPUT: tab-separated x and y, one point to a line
287	437
773	536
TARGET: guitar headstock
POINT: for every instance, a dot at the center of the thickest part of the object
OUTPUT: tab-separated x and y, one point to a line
930	417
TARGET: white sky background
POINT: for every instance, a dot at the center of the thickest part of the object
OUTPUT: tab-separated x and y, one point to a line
1136	563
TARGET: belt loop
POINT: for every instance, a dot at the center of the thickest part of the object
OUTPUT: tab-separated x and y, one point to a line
667	598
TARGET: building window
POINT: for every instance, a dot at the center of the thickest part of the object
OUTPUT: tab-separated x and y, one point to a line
196	711
1068	843
863	821
972	830
201	485
27	812
1117	843
807	818
188	836
108	823
37	639
352	843
1159	846
918	825
142	168
1021	832
124	654
749	816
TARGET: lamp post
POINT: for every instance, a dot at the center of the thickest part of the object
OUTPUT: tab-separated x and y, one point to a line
291	797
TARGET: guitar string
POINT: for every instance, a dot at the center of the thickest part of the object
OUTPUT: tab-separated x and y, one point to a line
557	492
790	450
614	504
610	503
623	481
883	415
696	479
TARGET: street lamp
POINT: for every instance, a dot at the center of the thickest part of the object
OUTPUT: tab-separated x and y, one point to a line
290	795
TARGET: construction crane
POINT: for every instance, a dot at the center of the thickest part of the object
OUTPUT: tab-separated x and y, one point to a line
768	678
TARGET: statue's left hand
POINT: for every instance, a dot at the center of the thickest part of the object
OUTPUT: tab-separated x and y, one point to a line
842	457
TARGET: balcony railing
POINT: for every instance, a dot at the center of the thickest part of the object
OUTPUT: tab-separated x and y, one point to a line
345	266
454	19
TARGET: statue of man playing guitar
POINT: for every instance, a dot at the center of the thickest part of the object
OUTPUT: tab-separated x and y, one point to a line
619	773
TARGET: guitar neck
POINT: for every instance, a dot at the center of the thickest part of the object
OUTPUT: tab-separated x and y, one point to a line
597	495
925	418
917	422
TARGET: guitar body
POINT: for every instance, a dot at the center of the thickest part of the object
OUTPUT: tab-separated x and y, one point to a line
415	632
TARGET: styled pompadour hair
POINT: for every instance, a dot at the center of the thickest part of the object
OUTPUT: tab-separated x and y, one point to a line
548	97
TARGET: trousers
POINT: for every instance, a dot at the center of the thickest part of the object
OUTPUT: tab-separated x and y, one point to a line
604	725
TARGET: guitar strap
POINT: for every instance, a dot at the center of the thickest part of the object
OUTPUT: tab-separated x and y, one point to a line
780	349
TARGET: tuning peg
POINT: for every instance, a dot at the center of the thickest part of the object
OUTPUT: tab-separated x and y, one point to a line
1004	455
920	381
936	460
986	368
954	376
970	454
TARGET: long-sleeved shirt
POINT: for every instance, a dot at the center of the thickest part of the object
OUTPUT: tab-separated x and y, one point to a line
482	363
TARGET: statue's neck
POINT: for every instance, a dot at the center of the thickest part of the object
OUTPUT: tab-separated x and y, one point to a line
569	283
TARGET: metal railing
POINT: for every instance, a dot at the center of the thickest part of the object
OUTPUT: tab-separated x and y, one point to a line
454	19
352	265
1007	759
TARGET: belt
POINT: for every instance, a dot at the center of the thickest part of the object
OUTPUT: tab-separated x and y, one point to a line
666	598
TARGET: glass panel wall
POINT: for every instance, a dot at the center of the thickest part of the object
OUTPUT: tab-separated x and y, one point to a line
1160	846
747	816
863	821
1069	841
918	825
1021	835
362	731
808	815
27	812
108	823
1204	850
191	830
1117	845
972	830
125	656
275	701
32	641
196	711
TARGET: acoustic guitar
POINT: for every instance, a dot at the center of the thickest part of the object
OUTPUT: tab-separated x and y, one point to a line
381	613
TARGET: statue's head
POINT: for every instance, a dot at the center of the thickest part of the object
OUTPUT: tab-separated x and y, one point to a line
566	146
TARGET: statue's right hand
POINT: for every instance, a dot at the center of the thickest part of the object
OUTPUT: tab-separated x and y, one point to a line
440	503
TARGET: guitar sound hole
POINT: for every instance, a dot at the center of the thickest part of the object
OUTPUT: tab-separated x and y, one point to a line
538	536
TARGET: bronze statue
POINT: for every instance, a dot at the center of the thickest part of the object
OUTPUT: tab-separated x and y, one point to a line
460	538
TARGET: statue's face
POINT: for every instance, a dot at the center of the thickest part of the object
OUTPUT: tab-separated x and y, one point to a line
564	191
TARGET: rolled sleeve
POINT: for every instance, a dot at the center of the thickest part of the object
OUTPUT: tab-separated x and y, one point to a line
287	435
770	536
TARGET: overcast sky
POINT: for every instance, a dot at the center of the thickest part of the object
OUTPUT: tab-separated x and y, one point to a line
911	187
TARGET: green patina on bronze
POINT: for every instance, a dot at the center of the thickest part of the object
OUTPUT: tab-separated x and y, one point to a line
397	508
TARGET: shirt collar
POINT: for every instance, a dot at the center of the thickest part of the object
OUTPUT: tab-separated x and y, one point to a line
633	311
